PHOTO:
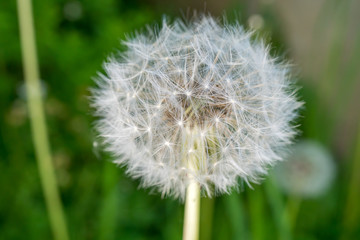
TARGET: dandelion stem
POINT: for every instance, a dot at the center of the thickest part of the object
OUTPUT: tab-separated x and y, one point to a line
192	212
37	120
292	211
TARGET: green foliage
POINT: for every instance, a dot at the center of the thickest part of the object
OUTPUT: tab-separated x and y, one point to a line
100	201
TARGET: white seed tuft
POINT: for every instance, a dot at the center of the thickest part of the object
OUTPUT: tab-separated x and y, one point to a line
308	172
206	102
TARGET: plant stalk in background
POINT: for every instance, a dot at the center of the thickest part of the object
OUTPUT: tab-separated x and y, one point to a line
352	210
37	120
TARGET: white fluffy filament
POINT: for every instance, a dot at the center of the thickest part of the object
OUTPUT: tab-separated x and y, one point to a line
195	91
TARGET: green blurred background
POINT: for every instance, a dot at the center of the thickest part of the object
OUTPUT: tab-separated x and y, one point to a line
100	202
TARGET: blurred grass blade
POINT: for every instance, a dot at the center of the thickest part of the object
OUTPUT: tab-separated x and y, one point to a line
347	91
328	84
292	211
351	212
206	219
235	210
278	208
110	204
256	210
37	120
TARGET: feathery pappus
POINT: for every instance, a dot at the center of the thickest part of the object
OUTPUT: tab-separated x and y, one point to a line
198	100
308	172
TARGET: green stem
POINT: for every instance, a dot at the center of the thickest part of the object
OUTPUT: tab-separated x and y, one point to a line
235	210
206	219
256	207
351	212
292	211
278	208
110	204
37	121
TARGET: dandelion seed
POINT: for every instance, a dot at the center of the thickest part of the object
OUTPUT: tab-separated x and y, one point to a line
212	81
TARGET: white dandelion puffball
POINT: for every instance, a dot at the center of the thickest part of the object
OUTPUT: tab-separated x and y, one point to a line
198	101
307	172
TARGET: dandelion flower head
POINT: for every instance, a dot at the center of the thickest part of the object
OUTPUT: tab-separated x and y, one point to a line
198	100
308	171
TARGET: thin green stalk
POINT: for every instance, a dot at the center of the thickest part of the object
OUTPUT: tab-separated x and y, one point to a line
329	76
235	210
37	120
292	211
351	212
256	210
110	203
331	71
348	90
206	218
278	208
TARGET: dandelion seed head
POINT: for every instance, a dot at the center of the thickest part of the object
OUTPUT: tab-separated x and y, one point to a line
205	88
308	171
